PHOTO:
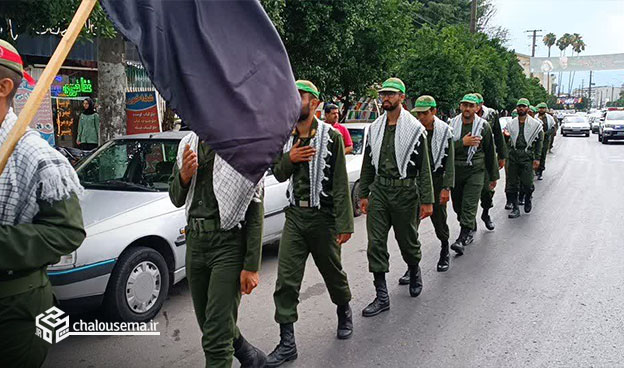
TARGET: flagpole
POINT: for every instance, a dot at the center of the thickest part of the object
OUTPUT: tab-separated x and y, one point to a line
45	81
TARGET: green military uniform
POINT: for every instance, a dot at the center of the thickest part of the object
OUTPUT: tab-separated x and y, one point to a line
520	165
310	230
25	291
548	136
395	202
443	178
487	194
469	177
215	259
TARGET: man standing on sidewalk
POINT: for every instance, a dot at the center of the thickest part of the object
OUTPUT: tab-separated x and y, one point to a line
475	156
318	221
525	149
331	118
487	194
396	190
223	247
40	221
548	126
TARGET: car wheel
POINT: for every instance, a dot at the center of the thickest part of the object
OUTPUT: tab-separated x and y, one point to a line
599	138
587	134
605	140
138	285
565	134
357	211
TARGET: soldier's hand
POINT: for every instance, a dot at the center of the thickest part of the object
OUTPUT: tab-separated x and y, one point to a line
445	195
343	238
248	281
301	154
501	164
492	185
189	166
364	205
536	164
470	140
426	210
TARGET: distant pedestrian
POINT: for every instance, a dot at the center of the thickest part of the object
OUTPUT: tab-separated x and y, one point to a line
88	126
332	115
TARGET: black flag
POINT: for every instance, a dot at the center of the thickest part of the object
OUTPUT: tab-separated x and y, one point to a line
223	68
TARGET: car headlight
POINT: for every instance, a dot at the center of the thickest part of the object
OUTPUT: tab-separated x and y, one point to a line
66	261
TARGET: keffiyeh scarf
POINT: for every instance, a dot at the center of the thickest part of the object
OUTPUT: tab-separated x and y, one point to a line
316	166
550	121
439	142
232	190
477	128
532	129
406	140
35	171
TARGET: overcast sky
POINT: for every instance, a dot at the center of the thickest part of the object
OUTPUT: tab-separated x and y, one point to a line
600	22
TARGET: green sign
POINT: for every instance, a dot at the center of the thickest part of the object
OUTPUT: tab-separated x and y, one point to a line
81	86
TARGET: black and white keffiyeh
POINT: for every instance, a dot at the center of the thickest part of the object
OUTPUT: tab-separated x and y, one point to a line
532	129
232	190
35	171
406	140
316	166
477	128
550	121
439	142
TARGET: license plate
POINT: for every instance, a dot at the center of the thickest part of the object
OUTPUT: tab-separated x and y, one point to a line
619	134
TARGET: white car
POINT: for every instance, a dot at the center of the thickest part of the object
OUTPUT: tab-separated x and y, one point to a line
135	246
575	124
359	133
612	128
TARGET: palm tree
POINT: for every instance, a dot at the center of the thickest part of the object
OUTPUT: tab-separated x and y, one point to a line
578	46
563	43
549	41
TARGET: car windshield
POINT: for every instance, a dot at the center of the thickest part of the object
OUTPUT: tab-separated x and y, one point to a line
575	119
130	165
357	136
615	115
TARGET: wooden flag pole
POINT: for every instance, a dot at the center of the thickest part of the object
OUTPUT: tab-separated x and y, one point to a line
45	81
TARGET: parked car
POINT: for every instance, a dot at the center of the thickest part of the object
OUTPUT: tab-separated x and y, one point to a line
612	128
359	133
135	246
575	124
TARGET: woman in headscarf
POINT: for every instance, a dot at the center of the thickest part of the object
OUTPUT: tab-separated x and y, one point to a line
88	127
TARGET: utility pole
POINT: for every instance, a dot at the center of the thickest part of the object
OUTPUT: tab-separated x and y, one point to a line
473	16
534	31
589	98
582	88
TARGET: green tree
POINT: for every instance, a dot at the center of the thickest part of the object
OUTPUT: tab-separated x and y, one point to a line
549	41
578	46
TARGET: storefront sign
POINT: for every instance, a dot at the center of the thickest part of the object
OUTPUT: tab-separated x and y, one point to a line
141	113
42	122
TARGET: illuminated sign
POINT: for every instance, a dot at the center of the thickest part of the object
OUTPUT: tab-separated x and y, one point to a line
81	86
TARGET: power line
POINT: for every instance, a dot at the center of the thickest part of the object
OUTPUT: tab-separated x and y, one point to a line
534	31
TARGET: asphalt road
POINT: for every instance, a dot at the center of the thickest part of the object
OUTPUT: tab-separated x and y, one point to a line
544	290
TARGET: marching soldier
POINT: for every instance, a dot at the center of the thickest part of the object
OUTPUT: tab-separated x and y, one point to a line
40	220
318	221
525	149
441	157
224	245
395	189
487	194
475	156
549	128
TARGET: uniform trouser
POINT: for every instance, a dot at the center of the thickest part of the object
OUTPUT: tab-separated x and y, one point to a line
487	194
439	216
466	193
214	261
308	230
545	148
520	174
19	346
399	208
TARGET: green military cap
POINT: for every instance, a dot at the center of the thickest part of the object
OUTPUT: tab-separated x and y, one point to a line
542	105
479	97
307	86
523	101
533	108
470	98
393	85
424	103
514	113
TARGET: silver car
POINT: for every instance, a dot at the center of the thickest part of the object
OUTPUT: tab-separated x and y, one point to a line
359	132
135	245
575	124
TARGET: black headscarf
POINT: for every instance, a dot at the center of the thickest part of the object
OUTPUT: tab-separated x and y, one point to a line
91	109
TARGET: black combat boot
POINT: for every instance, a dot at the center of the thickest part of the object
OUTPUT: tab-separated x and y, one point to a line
404	280
528	201
286	350
382	300
515	212
470	235
460	243
416	283
445	257
345	322
521	198
248	355
485	216
540	174
509	204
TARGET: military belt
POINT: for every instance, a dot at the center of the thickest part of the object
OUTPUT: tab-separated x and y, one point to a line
204	225
33	280
389	182
303	204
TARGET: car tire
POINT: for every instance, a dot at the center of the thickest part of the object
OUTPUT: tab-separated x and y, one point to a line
357	211
587	134
146	267
605	140
599	138
565	134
